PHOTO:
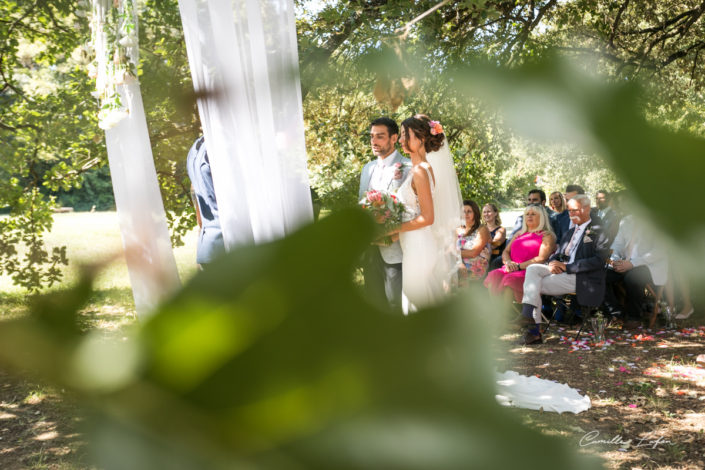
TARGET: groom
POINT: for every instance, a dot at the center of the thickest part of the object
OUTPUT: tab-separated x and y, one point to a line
382	264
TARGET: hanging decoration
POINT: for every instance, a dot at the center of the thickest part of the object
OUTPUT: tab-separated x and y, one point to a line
115	43
143	225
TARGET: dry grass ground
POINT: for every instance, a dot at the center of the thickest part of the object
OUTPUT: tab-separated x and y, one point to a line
647	393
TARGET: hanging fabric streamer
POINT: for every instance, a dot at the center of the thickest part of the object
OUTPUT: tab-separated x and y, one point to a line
244	64
145	236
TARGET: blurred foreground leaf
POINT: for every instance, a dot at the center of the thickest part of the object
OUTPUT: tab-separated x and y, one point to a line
272	359
555	100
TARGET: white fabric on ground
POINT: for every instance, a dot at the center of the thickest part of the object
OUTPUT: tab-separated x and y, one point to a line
533	393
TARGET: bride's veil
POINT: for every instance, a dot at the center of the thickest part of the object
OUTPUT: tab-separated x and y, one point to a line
448	212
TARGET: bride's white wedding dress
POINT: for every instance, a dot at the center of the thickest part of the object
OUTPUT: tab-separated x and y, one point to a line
421	286
430	255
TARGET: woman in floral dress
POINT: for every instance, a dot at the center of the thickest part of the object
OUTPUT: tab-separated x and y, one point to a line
474	245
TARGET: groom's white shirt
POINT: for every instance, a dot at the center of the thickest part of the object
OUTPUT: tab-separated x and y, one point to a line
379	174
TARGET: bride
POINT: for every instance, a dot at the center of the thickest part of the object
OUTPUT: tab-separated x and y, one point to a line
431	197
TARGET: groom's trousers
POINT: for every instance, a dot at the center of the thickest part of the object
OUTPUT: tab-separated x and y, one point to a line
383	281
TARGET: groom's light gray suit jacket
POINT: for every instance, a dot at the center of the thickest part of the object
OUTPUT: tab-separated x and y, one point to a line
392	253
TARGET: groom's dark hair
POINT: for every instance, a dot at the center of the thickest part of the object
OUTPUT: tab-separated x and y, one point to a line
391	125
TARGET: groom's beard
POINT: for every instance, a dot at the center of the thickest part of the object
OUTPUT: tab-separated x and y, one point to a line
383	152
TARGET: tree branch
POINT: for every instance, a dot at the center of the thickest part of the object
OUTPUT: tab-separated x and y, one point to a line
56	22
603	54
698	46
336	39
617	20
529	25
663	26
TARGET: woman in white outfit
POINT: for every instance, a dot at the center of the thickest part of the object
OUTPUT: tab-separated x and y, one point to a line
429	253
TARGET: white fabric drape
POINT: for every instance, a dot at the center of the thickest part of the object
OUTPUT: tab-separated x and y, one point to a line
244	65
145	236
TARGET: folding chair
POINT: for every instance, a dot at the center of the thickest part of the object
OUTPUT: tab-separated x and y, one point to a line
587	312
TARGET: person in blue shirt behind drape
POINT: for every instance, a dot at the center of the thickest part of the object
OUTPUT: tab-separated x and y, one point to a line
210	236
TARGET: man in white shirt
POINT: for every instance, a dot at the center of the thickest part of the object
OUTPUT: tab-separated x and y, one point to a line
382	264
635	261
578	265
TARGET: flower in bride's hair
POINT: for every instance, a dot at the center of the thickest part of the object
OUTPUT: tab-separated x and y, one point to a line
436	127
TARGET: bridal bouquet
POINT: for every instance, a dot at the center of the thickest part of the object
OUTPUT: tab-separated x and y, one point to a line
385	208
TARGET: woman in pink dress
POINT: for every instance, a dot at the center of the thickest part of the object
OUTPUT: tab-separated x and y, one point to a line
533	244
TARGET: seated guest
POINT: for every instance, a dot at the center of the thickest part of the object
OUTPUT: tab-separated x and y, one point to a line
571	191
636	260
533	244
498	234
535	196
610	223
474	245
577	266
561	222
557	202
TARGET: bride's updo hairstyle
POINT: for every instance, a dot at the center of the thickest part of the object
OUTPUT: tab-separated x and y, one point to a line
420	125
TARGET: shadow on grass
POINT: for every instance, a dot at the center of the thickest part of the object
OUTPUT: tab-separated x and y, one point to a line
110	310
13	305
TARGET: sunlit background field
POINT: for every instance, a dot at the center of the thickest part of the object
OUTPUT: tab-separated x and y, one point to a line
92	237
95	236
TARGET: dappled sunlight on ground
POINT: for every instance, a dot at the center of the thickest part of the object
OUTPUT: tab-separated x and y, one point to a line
37	427
646	388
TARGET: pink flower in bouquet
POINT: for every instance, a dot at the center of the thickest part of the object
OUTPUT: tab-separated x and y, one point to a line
374	196
385	208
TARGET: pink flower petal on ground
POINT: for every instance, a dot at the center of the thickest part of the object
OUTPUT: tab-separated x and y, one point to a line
619	383
632	405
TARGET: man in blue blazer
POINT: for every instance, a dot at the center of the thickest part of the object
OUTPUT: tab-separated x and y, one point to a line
578	265
382	264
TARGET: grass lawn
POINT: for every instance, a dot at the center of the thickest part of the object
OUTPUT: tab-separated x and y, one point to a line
645	387
91	237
